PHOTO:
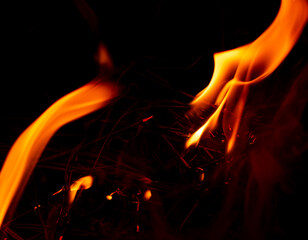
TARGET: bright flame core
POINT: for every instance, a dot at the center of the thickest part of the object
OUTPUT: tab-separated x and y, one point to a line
29	146
236	69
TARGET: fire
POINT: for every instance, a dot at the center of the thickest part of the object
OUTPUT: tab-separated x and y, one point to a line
238	68
80	184
147	195
27	149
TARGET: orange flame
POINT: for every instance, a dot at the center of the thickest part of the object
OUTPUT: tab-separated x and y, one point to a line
236	69
27	149
81	183
147	195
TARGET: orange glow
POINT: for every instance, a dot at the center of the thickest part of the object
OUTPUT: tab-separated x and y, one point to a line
80	184
103	57
236	69
109	197
147	195
29	146
201	178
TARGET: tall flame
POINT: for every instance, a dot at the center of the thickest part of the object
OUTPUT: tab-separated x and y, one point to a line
27	149
237	68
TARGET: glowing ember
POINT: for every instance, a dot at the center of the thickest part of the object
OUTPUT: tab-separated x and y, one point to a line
27	149
236	69
147	119
201	177
80	184
147	195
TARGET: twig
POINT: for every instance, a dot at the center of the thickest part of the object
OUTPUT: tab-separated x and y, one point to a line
176	152
188	215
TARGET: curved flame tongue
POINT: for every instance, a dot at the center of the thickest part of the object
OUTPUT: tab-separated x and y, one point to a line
81	183
27	149
249	64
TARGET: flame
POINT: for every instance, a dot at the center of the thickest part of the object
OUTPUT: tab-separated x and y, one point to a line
147	195
27	149
109	197
80	184
238	68
103	56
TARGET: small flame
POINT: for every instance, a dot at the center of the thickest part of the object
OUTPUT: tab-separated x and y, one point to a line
103	57
80	184
236	69
147	119
147	195
109	197
27	149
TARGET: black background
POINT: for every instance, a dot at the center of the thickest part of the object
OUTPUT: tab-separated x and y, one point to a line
51	44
